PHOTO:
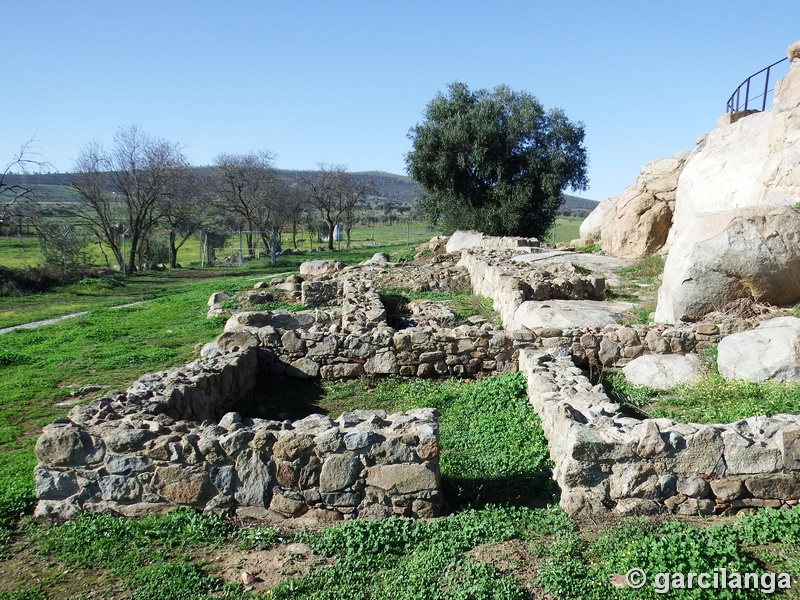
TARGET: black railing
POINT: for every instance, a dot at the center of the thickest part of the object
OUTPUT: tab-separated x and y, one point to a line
736	103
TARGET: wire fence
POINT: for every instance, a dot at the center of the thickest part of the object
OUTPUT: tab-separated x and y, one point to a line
241	247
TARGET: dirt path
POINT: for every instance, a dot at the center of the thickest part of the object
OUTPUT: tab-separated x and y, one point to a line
35	324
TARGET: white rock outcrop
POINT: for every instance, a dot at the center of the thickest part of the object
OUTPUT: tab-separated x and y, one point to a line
750	252
462	239
636	224
733	233
771	351
592	224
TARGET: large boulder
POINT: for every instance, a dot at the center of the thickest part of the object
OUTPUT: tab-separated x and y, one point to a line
592	224
745	162
750	252
563	314
637	223
664	371
770	351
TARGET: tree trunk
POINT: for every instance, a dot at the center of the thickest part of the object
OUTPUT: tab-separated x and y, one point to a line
173	250
331	229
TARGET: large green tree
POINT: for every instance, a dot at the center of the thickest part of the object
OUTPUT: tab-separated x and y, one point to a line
495	161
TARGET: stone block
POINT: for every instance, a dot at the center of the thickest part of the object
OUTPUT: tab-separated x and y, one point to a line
788	442
339	471
780	486
743	456
254	479
183	485
404	479
726	490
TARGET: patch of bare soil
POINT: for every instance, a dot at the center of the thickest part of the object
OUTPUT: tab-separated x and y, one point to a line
513	558
27	570
258	570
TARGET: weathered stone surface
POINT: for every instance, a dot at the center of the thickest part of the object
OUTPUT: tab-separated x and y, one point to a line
358	438
235	341
591	226
253	482
64	445
664	371
54	485
183	485
293	343
384	363
341	371
781	486
218	298
771	351
118	488
303	368
694	487
339	472
124	464
636	224
744	456
746	252
126	440
568	313
320	267
725	490
289	507
403	479
788	441
291	445
694	506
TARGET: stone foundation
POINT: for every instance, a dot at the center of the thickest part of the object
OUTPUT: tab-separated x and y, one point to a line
159	446
172	440
608	461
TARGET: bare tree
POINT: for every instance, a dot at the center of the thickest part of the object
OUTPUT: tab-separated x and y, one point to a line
186	207
12	194
293	211
248	186
122	192
335	195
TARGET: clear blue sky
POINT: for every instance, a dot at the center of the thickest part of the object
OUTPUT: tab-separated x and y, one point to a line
342	82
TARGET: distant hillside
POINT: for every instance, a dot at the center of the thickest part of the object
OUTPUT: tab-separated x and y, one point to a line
395	189
576	206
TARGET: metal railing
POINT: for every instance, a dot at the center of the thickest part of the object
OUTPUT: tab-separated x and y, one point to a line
735	101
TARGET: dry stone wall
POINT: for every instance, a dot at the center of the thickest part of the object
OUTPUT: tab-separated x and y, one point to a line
165	443
172	438
608	461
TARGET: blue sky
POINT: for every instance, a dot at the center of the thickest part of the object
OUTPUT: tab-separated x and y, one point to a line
342	82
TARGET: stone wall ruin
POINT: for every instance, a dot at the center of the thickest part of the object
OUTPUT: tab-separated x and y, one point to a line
172	439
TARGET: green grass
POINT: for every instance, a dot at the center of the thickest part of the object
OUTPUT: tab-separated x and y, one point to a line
567	229
21	252
577	569
646	270
711	400
116	290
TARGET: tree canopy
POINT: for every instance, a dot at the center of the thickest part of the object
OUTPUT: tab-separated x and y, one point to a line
495	161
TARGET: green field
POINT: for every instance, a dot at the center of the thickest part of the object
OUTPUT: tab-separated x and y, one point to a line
21	252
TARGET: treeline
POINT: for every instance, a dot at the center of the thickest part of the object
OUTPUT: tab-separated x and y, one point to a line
142	186
391	188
